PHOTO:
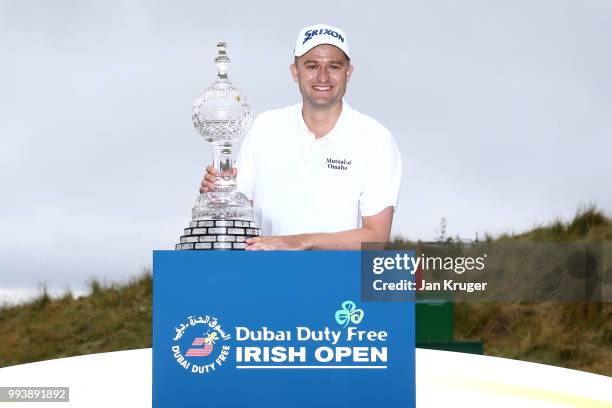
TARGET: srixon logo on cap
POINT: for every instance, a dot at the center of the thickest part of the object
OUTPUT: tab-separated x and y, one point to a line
326	31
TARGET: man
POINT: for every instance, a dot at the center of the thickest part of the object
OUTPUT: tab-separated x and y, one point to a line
320	174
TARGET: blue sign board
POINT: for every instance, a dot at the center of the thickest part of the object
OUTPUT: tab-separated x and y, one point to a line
276	329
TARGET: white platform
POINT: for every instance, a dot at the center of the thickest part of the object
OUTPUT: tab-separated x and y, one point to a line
444	379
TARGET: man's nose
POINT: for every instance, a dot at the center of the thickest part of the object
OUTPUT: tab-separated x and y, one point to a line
322	75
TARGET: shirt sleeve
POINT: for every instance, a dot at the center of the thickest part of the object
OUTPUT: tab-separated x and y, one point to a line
245	179
382	179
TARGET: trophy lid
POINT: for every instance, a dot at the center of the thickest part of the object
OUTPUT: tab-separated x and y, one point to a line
221	113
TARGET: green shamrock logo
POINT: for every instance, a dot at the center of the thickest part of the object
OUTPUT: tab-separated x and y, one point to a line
349	314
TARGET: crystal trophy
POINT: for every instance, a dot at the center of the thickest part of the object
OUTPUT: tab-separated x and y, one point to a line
222	218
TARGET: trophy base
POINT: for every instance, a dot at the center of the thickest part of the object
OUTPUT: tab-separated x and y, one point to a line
221	221
210	234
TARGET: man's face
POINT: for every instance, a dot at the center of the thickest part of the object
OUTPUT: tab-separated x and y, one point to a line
322	74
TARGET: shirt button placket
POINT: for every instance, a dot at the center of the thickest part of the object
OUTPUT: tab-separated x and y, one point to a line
307	154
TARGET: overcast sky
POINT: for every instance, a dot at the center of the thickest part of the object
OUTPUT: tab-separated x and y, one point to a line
502	112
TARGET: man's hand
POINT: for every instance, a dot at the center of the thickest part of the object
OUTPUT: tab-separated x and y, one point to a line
208	182
282	243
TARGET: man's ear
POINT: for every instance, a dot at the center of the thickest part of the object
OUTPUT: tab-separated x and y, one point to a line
294	72
349	72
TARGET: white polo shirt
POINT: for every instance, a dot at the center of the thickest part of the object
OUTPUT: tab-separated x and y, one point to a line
300	184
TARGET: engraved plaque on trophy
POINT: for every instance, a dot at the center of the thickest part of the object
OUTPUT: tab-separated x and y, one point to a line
222	218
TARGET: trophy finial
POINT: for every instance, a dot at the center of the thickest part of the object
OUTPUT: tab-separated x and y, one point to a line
222	60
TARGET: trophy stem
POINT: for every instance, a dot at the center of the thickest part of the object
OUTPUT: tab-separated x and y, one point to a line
223	163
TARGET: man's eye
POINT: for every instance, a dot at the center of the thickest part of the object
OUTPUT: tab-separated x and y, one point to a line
334	67
311	66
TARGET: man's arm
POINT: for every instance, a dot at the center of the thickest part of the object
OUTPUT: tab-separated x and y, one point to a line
375	228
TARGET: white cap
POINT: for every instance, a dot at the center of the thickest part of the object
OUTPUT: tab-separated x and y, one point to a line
311	36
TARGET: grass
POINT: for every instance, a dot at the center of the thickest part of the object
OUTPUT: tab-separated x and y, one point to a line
111	318
572	335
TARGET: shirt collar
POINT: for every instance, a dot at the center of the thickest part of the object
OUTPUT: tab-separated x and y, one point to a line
337	131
